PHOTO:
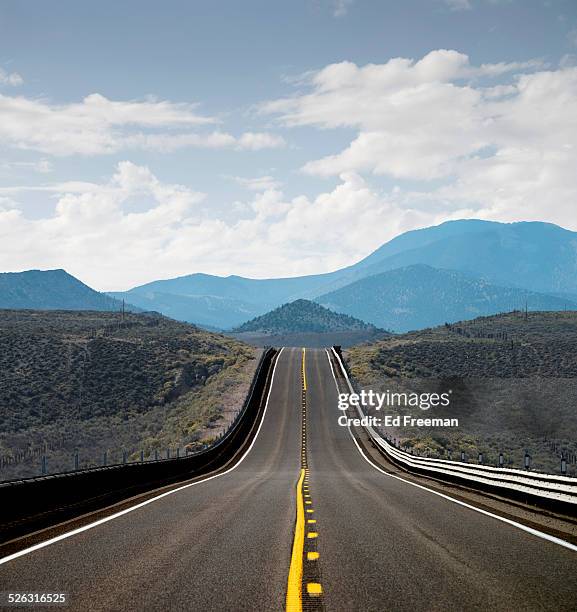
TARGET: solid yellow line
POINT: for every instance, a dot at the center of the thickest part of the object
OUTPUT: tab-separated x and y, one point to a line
294	586
304	370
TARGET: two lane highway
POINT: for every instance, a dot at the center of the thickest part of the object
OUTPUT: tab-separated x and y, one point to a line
369	541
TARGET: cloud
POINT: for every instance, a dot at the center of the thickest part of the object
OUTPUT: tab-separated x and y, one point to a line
95	234
42	166
254	141
504	151
13	78
459	5
341	7
423	120
572	37
261	183
456	143
99	126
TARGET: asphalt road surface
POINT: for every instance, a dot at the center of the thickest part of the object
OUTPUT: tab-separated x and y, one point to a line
225	544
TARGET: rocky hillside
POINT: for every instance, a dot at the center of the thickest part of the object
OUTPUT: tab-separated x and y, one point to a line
513	380
98	382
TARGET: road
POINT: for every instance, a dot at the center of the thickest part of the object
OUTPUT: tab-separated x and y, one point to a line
227	543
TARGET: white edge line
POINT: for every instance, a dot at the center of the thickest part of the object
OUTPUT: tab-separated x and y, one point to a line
535	532
106	519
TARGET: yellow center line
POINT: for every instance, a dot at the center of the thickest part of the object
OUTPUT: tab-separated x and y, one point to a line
304	370
294	596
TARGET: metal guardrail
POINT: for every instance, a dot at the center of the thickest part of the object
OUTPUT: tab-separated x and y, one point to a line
549	487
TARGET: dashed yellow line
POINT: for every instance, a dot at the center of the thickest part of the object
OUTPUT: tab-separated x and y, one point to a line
304	369
314	589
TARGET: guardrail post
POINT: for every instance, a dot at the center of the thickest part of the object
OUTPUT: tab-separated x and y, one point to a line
168	453
141	456
563	465
75	461
105	458
450	454
527	460
44	466
480	457
501	460
156	454
463	456
178	453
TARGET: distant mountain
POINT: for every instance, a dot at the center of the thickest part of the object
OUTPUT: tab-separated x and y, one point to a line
208	311
268	292
421	296
50	290
530	255
533	256
303	316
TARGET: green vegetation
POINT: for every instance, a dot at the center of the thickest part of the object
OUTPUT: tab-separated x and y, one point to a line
513	379
95	381
303	316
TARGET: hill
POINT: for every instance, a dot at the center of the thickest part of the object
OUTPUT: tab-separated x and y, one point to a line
51	290
96	382
305	323
532	256
513	379
420	296
302	316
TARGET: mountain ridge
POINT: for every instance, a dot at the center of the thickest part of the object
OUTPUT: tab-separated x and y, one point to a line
529	256
420	296
51	290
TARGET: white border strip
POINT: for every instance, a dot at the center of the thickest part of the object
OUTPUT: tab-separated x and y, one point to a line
535	532
106	519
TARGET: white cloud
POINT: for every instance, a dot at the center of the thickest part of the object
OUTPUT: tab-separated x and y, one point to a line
341	7
422	120
99	126
505	151
10	78
254	141
95	234
261	183
43	166
459	5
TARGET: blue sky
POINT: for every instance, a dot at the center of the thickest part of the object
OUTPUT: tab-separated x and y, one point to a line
141	140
